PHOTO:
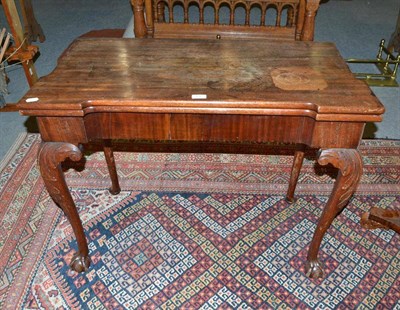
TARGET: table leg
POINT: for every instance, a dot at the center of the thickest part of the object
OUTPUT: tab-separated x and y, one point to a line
51	155
349	163
294	174
109	154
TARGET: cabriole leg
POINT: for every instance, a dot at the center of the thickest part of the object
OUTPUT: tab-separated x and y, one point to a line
51	155
349	163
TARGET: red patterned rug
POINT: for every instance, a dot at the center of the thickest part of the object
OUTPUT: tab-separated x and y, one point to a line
196	231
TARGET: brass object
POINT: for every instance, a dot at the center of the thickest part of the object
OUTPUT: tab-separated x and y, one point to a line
388	67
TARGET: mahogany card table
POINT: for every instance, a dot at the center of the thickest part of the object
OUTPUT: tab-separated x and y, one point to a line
222	91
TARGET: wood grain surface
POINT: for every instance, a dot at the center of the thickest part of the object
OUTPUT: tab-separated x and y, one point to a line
161	75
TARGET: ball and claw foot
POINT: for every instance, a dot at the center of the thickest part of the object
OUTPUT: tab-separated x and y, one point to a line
314	269
80	263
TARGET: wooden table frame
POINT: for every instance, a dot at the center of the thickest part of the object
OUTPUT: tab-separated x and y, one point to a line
144	93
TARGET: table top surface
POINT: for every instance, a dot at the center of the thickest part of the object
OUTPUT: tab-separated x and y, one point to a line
199	76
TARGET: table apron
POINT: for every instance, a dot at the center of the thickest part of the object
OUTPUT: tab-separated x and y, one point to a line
202	128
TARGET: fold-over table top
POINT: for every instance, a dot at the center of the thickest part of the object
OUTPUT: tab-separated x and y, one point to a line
202	76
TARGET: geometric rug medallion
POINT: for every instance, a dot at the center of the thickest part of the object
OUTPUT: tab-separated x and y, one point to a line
196	231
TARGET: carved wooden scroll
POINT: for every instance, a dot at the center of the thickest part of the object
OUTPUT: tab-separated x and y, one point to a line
349	163
51	155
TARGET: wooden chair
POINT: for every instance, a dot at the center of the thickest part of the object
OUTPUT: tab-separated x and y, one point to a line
250	19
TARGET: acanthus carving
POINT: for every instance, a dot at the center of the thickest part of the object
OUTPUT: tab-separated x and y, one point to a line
51	155
349	163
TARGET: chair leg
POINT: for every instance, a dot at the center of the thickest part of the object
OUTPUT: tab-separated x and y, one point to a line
294	174
109	155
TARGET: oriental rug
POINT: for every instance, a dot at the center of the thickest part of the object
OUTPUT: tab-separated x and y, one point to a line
196	231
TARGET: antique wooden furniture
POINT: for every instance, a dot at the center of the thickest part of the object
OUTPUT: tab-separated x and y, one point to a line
254	19
22	51
380	218
202	91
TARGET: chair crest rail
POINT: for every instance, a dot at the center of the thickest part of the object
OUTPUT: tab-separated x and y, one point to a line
289	19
